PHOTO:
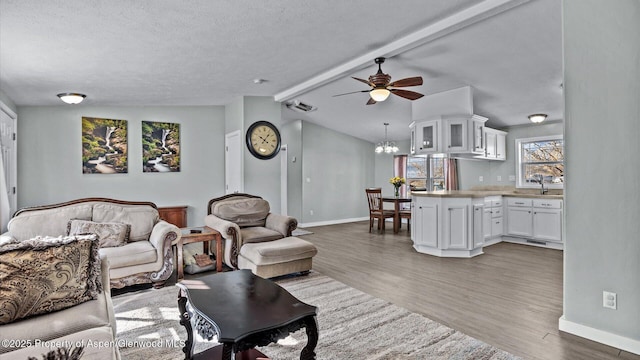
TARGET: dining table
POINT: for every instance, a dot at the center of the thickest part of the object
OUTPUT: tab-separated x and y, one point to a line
396	200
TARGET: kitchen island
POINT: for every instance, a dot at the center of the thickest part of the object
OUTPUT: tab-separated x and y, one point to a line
460	223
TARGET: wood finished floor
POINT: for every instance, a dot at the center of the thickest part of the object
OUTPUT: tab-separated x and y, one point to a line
509	297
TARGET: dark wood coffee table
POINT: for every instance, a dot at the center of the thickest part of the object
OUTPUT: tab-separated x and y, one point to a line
244	311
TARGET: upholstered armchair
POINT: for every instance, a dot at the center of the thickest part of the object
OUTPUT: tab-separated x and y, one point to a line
242	219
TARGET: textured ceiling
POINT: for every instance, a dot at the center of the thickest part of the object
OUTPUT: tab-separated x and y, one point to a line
170	52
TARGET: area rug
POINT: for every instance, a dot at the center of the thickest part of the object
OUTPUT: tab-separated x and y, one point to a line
300	232
352	325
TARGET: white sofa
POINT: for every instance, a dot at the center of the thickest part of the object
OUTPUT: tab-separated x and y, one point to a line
91	321
148	258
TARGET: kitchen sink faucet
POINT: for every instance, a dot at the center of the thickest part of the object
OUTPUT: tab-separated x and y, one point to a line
542	189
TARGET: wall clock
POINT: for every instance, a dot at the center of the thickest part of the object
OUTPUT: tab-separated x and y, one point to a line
263	140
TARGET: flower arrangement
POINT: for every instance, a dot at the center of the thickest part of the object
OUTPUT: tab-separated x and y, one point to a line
397	182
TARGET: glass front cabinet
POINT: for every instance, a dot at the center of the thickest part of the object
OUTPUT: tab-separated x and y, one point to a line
448	134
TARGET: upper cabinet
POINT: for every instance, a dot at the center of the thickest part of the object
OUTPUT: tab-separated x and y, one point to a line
448	134
495	142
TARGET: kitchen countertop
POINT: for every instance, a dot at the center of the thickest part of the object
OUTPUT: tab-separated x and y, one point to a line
485	193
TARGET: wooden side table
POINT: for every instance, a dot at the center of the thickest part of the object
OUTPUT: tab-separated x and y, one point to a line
206	235
176	215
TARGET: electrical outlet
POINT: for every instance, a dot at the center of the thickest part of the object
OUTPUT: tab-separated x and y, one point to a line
499	178
609	300
481	178
512	178
310	212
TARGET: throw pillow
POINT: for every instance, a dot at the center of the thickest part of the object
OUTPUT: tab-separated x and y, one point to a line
109	234
42	275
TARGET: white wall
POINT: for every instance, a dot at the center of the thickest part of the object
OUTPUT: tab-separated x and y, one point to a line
50	157
602	196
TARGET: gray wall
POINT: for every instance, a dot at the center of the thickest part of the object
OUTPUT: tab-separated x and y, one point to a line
602	128
7	101
50	165
291	133
262	177
339	168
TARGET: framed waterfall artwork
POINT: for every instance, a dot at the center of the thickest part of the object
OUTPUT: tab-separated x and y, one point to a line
160	147
104	146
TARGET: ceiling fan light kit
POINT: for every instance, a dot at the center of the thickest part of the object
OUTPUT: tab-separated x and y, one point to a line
72	98
379	94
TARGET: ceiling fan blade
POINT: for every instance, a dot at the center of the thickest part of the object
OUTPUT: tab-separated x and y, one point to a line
353	92
371	101
412	81
411	95
364	81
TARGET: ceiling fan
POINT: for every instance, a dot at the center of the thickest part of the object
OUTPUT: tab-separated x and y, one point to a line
381	86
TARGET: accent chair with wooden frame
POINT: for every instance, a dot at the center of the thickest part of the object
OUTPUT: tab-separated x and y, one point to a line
256	239
376	211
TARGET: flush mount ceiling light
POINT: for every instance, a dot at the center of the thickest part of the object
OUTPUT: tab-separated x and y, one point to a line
386	145
72	98
537	118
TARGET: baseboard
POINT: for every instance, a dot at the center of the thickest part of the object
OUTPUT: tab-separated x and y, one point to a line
603	337
332	222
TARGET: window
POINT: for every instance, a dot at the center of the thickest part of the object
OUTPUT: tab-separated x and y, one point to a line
540	159
425	173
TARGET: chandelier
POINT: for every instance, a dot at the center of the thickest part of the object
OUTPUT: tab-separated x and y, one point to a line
386	145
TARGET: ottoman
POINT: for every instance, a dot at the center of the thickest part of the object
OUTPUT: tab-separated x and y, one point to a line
278	257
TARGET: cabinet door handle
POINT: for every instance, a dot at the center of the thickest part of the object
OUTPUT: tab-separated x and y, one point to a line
529	212
519	203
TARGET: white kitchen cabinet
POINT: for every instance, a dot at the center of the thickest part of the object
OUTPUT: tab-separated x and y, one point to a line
547	220
457	135
487	220
448	134
490	144
535	219
501	146
425	137
495	145
447	227
478	226
493	224
520	221
457	226
424	224
478	135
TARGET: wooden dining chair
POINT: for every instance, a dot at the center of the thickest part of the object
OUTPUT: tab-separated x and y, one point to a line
376	211
406	214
